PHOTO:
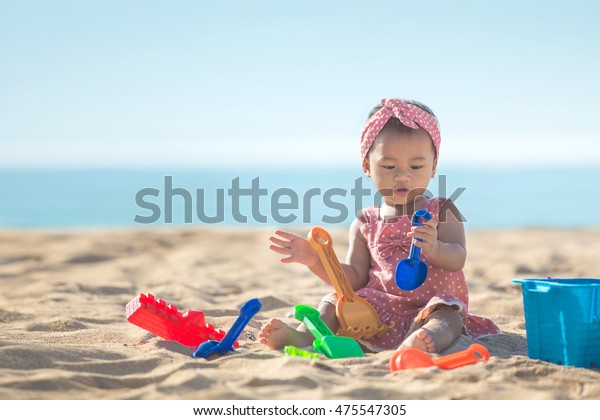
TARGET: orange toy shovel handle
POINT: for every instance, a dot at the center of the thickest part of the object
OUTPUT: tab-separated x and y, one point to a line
321	241
475	353
414	358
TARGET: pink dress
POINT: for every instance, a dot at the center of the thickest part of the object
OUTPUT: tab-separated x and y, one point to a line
388	245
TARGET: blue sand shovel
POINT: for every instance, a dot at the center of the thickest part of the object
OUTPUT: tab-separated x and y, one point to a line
248	310
411	272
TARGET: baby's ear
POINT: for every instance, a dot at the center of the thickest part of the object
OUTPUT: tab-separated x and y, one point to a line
434	168
366	167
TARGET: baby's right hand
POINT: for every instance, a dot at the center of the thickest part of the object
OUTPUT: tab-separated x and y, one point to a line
295	247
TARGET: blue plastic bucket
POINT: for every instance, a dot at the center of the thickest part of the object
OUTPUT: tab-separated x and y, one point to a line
562	320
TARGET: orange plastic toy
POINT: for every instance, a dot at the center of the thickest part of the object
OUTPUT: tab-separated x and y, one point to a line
357	317
415	358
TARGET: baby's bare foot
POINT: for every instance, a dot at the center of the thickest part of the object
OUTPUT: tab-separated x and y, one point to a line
441	328
276	334
420	339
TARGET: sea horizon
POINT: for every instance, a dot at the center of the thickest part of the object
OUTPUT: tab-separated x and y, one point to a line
488	198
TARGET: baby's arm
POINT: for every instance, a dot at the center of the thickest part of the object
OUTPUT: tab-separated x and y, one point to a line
444	244
358	259
357	263
297	249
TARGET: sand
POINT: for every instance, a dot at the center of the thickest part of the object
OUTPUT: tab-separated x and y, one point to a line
64	335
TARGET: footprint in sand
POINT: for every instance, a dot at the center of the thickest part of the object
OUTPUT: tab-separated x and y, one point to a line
6	316
272	302
57	326
300	381
89	259
106	290
6	260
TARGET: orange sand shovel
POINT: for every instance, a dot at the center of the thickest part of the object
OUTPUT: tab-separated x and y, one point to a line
357	317
415	358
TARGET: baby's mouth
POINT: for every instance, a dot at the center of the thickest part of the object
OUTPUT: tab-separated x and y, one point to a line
401	191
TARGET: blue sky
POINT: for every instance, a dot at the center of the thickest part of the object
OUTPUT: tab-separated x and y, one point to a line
194	83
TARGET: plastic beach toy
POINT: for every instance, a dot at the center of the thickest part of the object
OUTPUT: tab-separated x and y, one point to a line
562	320
411	272
295	351
415	358
332	346
357	317
248	310
165	320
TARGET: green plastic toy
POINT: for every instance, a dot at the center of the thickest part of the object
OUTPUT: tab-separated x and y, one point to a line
332	346
295	351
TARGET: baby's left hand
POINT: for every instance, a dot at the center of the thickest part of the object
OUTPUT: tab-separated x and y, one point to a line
428	235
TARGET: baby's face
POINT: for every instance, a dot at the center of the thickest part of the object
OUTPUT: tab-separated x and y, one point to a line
401	165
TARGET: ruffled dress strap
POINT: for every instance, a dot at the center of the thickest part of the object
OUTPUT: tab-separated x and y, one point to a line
368	218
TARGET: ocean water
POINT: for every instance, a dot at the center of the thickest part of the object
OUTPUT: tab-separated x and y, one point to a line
72	198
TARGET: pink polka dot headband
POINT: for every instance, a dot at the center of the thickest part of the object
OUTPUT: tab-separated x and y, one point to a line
410	115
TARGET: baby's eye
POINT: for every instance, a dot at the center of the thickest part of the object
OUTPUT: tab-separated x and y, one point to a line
390	167
417	167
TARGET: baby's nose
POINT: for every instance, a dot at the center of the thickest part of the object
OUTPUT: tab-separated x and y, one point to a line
400	175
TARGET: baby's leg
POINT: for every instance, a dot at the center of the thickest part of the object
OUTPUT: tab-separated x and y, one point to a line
441	328
276	334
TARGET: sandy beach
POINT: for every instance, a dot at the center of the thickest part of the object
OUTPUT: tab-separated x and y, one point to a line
64	335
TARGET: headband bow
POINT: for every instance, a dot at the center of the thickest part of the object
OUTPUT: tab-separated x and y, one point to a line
409	115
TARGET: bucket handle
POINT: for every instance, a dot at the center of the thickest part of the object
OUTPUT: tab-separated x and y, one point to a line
534	287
